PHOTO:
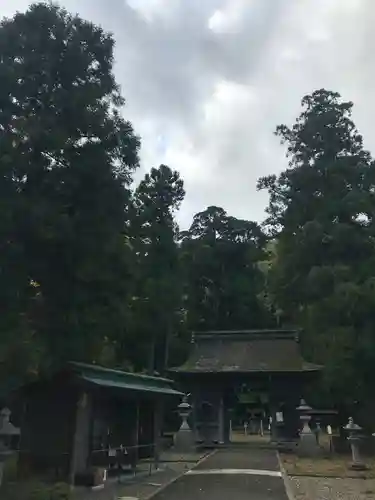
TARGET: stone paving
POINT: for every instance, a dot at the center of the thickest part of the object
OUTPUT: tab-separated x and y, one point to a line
239	474
242	458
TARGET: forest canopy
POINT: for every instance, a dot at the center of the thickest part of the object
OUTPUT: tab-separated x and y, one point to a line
94	269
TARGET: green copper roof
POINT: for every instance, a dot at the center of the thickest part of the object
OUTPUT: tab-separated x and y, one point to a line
106	377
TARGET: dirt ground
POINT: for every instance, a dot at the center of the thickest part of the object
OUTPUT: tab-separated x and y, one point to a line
336	466
313	488
329	478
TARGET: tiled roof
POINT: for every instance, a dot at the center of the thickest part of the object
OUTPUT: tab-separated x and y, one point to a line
246	351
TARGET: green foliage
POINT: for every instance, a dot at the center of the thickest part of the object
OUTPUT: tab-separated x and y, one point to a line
66	160
157	294
223	279
321	212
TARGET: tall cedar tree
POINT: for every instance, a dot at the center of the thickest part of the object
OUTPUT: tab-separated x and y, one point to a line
157	300
321	213
66	159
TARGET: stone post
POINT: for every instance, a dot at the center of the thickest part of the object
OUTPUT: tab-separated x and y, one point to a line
354	438
158	419
230	423
221	420
194	418
273	425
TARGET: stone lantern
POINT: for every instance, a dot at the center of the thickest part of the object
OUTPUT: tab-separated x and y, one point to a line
7	433
184	440
354	439
307	445
304	414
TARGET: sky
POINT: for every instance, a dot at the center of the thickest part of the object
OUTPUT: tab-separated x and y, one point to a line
206	83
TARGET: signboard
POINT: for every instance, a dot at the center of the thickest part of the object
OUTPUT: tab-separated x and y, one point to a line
279	417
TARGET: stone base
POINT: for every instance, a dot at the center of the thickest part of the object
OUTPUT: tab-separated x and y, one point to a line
358	466
184	441
287	446
307	446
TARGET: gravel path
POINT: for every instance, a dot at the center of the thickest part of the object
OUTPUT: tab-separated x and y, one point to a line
313	488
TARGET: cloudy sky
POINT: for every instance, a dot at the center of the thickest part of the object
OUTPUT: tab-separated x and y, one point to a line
207	81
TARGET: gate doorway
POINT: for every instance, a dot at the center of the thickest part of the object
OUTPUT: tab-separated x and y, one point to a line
249	416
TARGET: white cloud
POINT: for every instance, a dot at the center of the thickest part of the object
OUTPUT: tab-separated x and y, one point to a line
207	82
229	18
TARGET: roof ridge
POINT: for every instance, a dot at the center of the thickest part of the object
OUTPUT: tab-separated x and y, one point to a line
238	335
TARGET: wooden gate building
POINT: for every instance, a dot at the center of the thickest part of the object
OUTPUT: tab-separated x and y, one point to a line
222	364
